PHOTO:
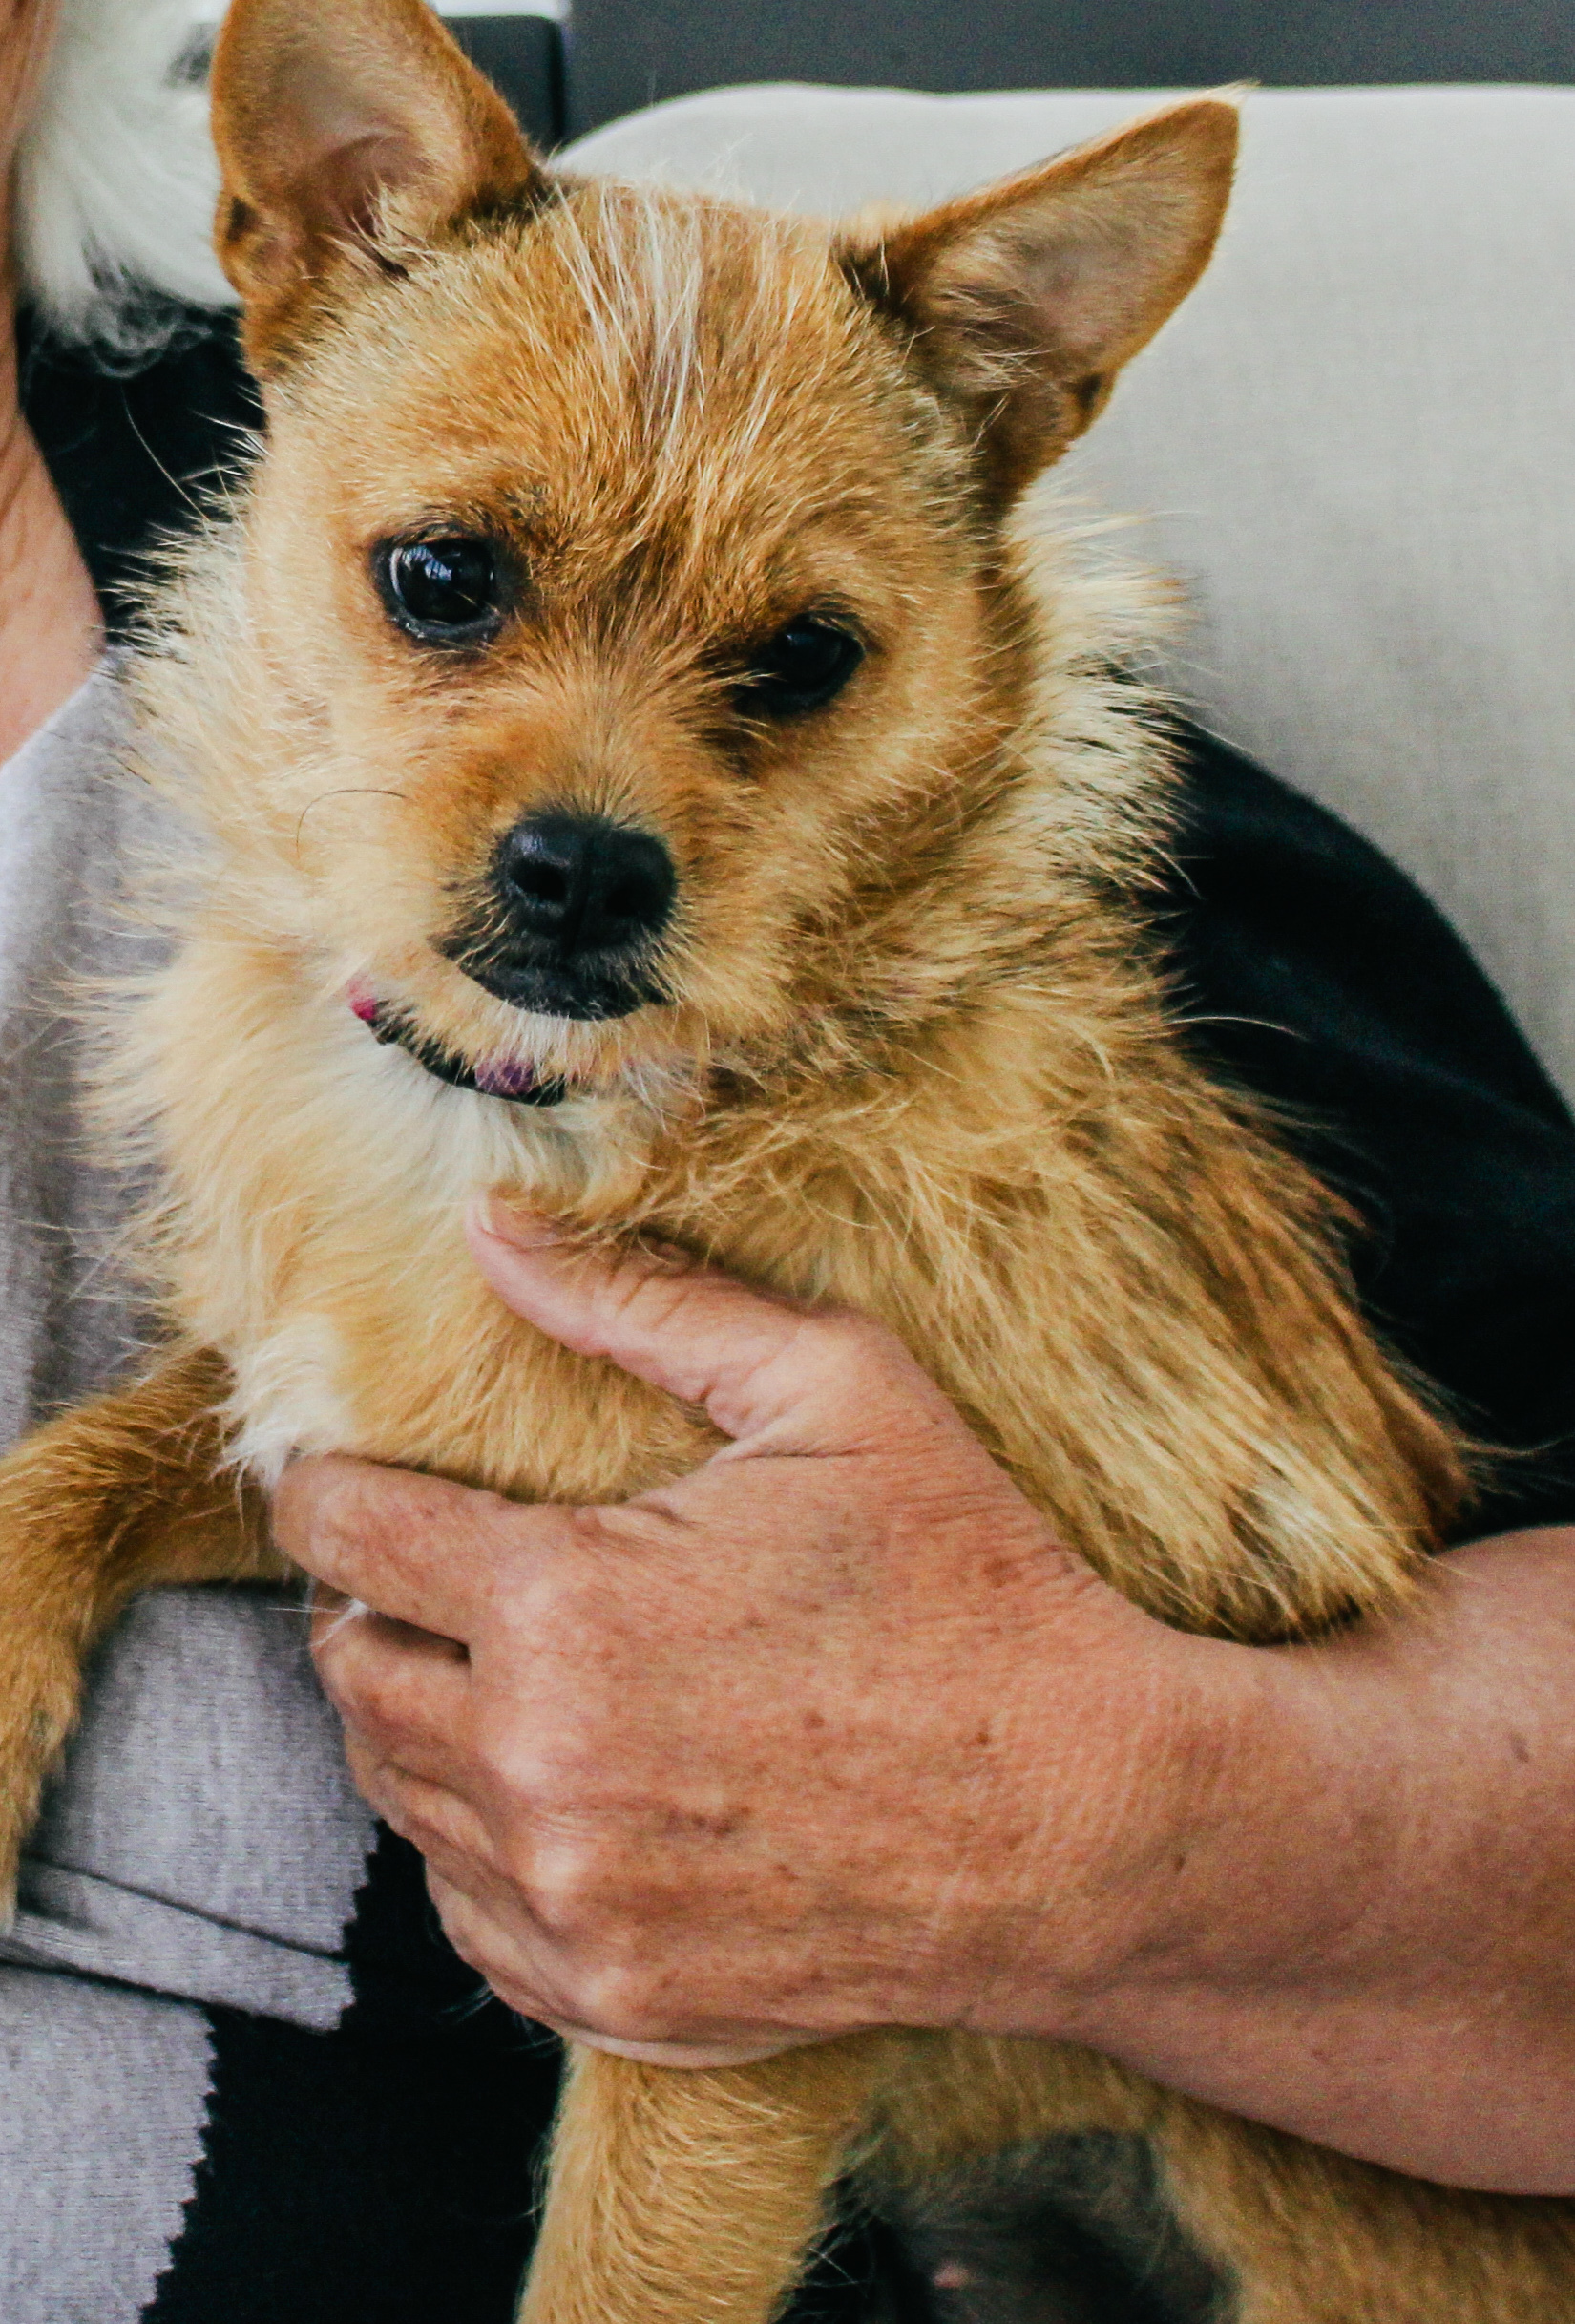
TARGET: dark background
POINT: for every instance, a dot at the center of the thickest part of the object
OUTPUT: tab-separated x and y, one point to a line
524	56
620	54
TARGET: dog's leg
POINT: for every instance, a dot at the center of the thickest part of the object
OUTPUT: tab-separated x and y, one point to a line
119	1494
677	2197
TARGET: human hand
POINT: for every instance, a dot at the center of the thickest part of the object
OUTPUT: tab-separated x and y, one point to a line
831	1733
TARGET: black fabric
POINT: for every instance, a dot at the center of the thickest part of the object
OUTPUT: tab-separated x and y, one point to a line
1315	974
381	2174
133	456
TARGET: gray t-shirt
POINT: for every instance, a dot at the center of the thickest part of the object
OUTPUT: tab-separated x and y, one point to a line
203	1843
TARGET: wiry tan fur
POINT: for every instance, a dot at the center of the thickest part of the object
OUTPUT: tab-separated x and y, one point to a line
919	1054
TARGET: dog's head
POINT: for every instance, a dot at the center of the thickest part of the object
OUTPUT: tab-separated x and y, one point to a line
632	565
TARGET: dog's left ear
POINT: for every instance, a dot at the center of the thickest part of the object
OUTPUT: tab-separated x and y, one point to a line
350	134
1025	300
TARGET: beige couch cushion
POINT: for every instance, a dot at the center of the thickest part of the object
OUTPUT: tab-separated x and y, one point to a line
1355	444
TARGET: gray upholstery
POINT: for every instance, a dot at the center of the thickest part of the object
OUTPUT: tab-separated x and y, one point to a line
1356	445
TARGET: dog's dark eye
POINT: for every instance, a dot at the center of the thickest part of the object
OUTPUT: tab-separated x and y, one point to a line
444	592
800	668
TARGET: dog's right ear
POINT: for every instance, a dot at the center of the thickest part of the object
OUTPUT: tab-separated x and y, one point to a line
348	132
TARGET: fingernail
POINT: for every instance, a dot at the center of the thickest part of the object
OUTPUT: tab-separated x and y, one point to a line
525	1230
671	1256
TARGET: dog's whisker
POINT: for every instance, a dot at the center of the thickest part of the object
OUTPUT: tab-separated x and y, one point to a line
343	790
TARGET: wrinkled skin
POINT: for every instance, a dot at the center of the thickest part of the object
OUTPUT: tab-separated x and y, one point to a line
748	1796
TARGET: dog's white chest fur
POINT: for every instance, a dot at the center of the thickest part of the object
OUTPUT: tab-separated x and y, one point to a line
286	1397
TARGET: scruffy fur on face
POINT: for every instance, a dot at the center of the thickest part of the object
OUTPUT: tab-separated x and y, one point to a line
897	1035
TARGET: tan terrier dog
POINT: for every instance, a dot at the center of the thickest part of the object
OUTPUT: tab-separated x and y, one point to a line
623	692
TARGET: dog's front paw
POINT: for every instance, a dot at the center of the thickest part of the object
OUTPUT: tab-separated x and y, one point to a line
40	1689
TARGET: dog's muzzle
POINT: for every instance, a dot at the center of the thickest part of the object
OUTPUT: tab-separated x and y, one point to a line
574	908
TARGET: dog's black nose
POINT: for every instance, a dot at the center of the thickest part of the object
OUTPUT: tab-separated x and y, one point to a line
584	885
569	927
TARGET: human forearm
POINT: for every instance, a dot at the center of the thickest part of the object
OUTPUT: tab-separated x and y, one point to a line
1366	1929
50	633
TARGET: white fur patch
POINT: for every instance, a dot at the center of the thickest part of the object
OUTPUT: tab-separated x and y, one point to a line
285	1399
115	176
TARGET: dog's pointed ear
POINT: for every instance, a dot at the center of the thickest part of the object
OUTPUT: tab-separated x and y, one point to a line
1024	300
348	132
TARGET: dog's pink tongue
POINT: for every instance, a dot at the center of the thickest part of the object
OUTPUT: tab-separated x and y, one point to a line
363	1000
505	1079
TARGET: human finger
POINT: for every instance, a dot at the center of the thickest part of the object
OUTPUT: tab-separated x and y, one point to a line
447	1827
521	1971
406	1691
418	1549
765	1367
506	1949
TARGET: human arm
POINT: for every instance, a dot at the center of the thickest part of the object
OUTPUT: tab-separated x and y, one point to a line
51	634
833	1733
